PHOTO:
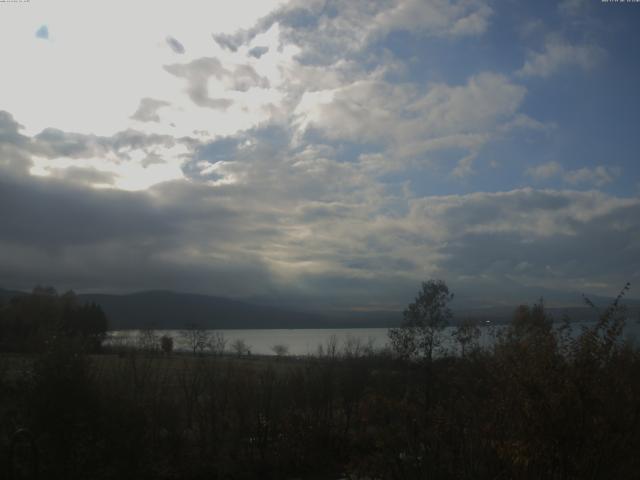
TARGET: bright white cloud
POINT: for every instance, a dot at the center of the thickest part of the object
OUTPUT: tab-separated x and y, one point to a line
102	58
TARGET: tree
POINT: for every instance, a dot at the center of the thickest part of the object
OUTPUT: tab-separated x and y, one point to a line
196	337
239	346
218	343
467	333
280	349
530	325
147	339
30	321
424	319
166	344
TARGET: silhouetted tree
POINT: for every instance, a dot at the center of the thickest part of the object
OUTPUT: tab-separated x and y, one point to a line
466	334
239	346
166	344
280	349
30	321
197	338
148	339
424	319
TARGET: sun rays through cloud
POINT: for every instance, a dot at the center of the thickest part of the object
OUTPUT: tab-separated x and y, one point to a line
331	152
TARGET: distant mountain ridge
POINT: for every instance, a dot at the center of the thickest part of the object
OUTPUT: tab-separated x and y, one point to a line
167	310
162	309
172	310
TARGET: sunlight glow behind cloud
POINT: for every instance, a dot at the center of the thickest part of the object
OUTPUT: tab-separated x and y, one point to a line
310	149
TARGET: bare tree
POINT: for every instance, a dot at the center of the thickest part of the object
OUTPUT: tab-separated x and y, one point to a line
196	337
466	334
353	347
330	350
147	339
218	343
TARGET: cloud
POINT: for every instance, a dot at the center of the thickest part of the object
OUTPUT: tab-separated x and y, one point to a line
258	52
408	122
54	143
599	175
435	17
574	8
148	110
14	146
554	233
571	7
62	215
309	228
244	77
464	167
545	170
260	215
199	72
327	32
84	175
308	152
559	54
115	240
129	159
43	32
175	45
10	131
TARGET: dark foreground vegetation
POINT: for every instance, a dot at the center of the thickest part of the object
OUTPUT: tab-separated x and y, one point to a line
538	403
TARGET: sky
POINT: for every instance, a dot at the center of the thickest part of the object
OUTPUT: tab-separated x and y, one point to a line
329	153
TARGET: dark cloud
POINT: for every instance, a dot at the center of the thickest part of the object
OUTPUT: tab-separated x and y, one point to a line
61	233
14	147
257	52
175	45
227	41
84	175
54	143
148	110
10	131
50	213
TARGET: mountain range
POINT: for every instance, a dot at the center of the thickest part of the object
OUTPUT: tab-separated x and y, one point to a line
172	310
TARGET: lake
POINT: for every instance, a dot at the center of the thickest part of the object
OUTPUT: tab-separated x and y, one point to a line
301	341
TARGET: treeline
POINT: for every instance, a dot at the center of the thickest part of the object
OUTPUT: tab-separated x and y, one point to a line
30	322
537	402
